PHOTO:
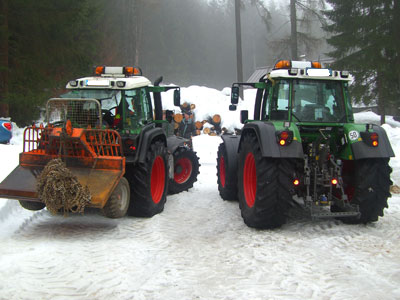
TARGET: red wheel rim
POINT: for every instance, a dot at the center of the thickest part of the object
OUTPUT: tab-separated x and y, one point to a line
183	170
157	183
222	174
250	180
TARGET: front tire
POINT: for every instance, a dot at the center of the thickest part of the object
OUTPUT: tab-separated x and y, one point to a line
186	169
264	186
149	182
32	205
118	203
367	184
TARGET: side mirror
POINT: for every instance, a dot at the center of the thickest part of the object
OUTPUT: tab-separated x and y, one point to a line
158	81
244	116
177	97
232	107
235	95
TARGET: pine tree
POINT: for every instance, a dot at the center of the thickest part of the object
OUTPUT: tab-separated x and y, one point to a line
301	40
365	35
48	43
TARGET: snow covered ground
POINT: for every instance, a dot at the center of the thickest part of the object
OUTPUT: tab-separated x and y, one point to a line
199	247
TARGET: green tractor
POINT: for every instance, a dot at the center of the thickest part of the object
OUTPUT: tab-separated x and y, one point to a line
105	132
302	148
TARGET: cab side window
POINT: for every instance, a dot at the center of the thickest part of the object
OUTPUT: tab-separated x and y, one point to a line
279	100
146	101
138	110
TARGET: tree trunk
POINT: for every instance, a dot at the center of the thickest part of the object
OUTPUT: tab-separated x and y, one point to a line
3	49
396	34
138	29
239	62
381	97
129	32
293	30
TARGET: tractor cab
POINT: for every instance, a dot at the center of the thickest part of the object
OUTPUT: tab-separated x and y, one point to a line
300	91
124	95
127	101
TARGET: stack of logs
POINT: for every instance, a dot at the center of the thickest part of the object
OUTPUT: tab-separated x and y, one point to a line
211	126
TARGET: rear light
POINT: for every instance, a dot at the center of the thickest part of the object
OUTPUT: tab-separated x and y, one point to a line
370	138
375	139
130	145
7	126
284	137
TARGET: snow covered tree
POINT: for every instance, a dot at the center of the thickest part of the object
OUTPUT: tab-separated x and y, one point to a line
365	36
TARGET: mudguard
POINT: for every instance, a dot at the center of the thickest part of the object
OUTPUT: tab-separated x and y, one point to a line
148	135
384	150
232	146
173	142
265	133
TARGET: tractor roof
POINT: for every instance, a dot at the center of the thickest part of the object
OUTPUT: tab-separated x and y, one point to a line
301	70
119	78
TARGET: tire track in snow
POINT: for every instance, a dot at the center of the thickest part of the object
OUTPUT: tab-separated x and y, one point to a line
198	248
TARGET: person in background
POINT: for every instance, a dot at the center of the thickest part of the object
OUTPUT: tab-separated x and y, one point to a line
187	129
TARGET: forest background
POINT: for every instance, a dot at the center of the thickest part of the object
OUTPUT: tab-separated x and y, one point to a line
46	43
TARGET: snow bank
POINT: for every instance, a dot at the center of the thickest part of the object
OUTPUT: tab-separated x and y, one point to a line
210	101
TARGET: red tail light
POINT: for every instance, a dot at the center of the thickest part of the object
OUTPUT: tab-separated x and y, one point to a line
130	145
370	138
284	137
374	138
7	126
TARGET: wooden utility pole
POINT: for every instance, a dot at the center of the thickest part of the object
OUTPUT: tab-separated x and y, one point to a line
3	49
239	61
293	29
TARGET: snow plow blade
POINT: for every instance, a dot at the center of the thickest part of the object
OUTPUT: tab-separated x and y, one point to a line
21	183
93	156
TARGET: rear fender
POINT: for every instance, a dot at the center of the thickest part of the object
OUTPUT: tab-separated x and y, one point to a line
360	149
232	146
174	142
147	137
266	136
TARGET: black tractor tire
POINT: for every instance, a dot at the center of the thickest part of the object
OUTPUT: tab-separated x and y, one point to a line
31	205
149	182
368	185
227	181
186	169
265	186
118	203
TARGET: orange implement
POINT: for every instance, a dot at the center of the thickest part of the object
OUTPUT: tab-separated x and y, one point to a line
94	156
